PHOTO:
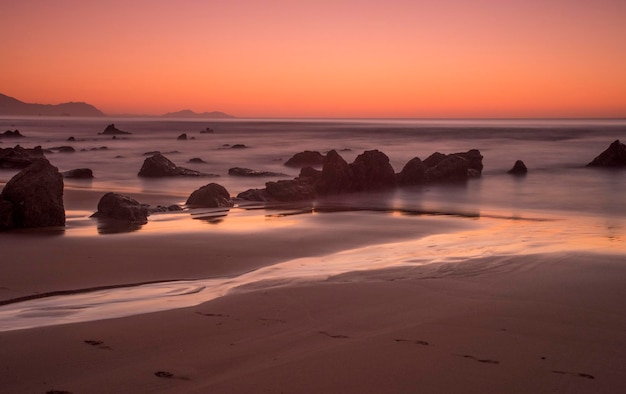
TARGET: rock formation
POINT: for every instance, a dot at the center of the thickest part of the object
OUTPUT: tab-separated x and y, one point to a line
36	196
182	137
12	134
78	173
19	157
370	171
120	207
519	168
239	171
160	166
210	196
306	159
613	156
112	130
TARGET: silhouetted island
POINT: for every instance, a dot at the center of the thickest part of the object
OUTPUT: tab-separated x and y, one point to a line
13	106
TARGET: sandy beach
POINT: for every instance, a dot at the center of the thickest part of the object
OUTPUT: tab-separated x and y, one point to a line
550	319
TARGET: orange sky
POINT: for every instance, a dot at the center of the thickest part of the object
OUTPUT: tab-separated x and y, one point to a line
559	58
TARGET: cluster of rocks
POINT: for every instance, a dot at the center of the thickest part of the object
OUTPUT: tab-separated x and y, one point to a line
158	165
240	171
11	134
112	130
370	171
18	157
33	197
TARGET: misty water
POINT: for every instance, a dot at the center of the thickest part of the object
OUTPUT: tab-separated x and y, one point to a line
559	202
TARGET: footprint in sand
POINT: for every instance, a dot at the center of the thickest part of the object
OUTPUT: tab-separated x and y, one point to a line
98	344
423	343
480	360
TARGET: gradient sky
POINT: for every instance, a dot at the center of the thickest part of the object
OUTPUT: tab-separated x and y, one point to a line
559	58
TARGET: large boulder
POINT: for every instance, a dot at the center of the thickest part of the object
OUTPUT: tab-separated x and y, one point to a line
210	196
371	171
336	176
290	190
613	156
36	194
452	168
306	159
121	207
18	157
158	165
413	173
255	195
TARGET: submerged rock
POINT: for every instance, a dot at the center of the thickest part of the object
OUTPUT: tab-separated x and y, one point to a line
36	194
121	207
240	171
519	168
210	196
306	159
112	130
613	156
19	157
160	166
12	134
182	137
78	173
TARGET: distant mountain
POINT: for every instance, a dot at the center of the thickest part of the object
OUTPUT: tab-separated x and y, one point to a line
12	106
186	113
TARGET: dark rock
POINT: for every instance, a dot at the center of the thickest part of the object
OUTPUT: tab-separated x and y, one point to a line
152	153
309	174
197	160
519	168
121	207
434	159
371	171
255	195
474	159
36	194
63	149
6	215
208	130
306	159
78	173
174	208
112	130
100	148
290	190
160	166
613	156
238	146
452	168
413	173
162	209
12	134
210	196
71	139
336	177
19	157
239	171
182	137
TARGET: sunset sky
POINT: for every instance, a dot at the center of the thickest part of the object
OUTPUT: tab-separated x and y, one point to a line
454	58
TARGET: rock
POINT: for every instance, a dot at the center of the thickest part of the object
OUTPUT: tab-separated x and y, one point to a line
210	196
120	207
255	195
613	156
160	166
306	159
78	173
434	159
290	190
336	177
208	130
413	173
162	209
112	130
474	159
239	171
36	194
63	149
19	157
197	160
519	168
238	146
6	215
182	137
71	139
452	168
371	171
12	134
310	175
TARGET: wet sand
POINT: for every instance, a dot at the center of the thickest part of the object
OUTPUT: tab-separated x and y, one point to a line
498	320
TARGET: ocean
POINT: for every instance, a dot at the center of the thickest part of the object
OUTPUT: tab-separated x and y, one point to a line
559	206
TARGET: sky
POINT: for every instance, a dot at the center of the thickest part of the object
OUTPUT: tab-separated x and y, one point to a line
339	58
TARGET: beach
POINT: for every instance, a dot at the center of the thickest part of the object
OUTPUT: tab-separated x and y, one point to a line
449	288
